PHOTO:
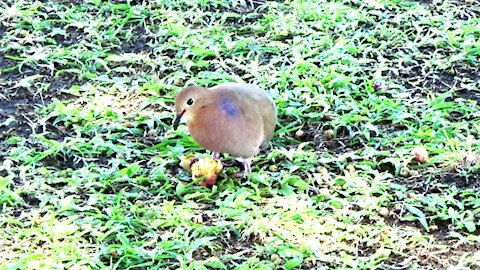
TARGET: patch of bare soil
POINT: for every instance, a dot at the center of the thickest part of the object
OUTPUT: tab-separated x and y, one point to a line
424	185
138	43
234	245
465	10
444	254
14	113
449	178
322	136
18	104
419	80
444	258
425	2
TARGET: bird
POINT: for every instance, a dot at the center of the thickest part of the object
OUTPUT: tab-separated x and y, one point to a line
234	118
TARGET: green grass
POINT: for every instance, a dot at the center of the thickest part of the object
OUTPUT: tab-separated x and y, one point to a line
89	163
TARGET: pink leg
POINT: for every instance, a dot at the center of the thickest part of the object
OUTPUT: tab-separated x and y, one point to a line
247	165
215	155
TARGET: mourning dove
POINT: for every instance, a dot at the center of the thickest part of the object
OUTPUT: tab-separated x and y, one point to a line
233	118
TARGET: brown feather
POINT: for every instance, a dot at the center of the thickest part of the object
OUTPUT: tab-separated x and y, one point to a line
231	118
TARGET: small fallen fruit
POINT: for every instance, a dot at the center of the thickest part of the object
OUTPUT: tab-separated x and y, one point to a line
384	212
405	172
187	161
321	169
273	168
37	220
328	134
7	164
420	153
412	195
324	191
152	133
129	124
206	167
300	133
113	253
